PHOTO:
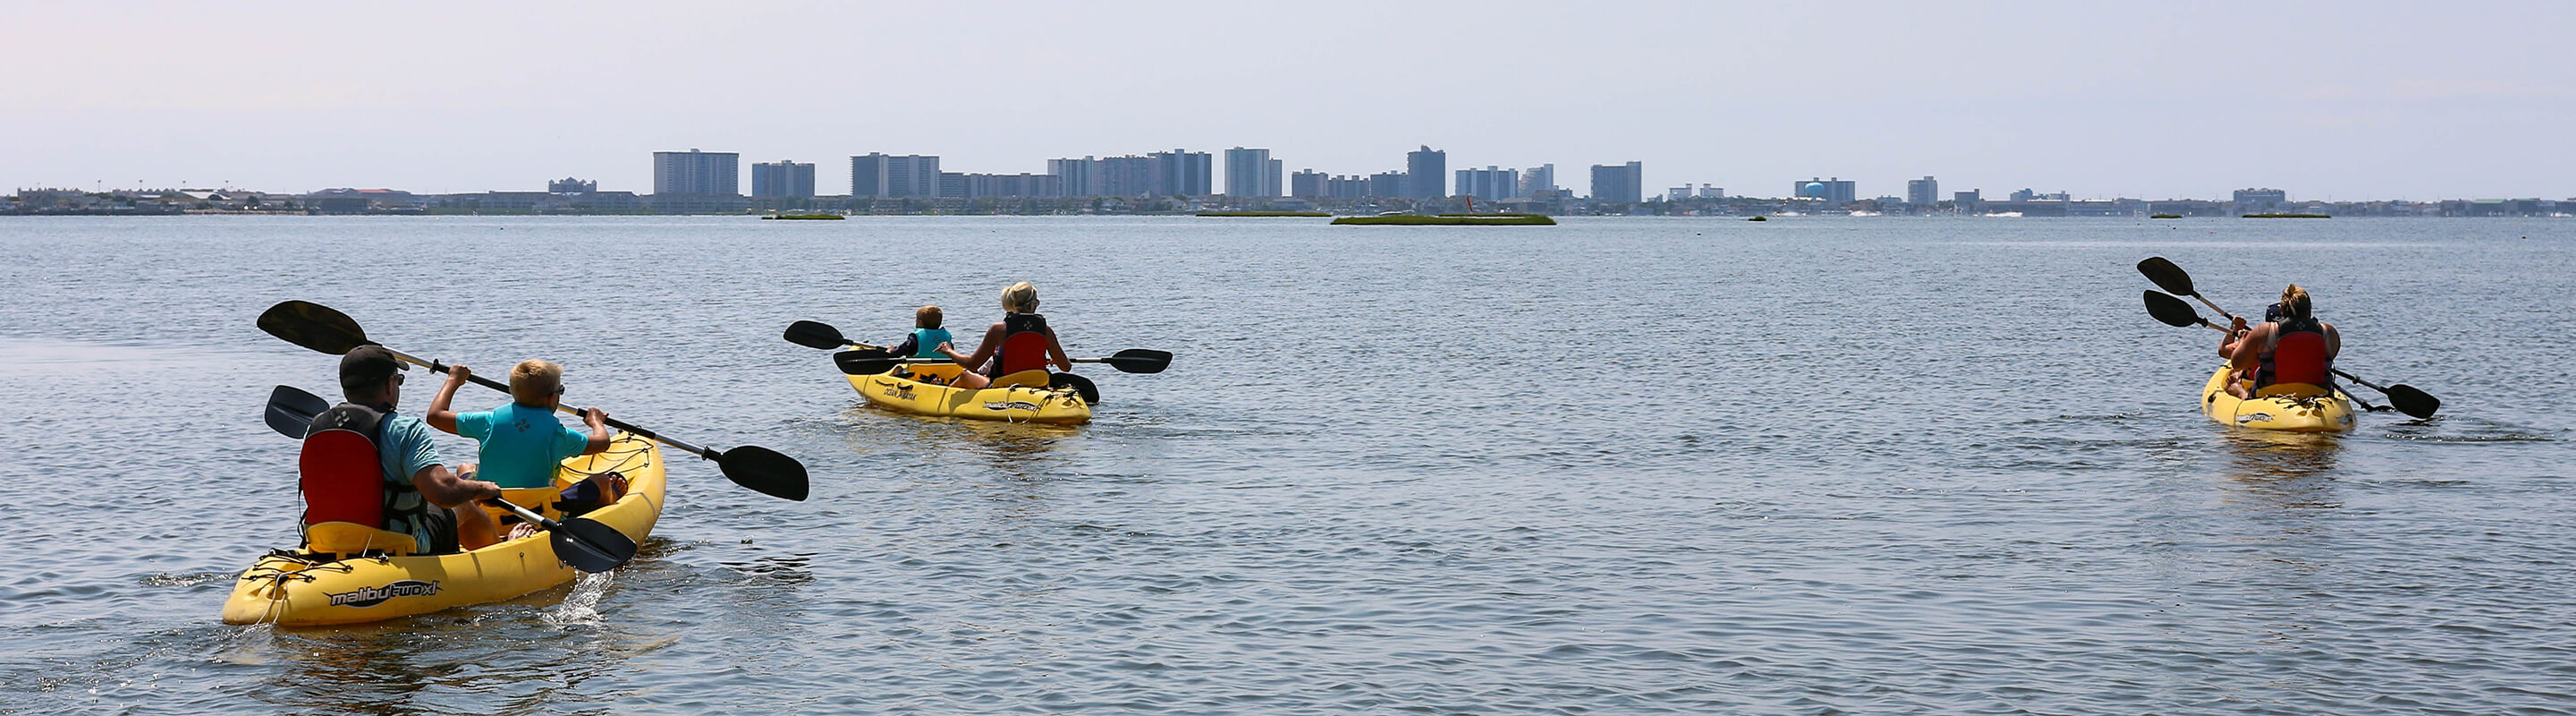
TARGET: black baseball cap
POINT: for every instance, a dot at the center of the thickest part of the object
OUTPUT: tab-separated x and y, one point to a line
368	365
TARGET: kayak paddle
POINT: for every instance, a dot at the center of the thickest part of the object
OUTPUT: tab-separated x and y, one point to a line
2173	280
816	334
871	361
325	330
2404	397
586	544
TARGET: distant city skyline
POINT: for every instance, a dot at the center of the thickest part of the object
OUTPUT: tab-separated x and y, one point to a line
2331	100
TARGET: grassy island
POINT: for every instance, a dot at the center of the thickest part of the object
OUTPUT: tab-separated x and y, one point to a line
2288	216
2166	216
1243	214
807	217
1447	220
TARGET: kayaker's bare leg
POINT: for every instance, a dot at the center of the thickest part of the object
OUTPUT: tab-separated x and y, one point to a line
475	528
971	380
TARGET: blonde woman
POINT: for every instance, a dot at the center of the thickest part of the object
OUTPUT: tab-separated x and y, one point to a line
1020	341
2294	348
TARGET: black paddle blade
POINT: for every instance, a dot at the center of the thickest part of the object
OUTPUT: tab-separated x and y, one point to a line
589	545
812	334
2167	276
314	326
2172	311
1081	386
1139	360
865	362
2413	402
765	471
291	410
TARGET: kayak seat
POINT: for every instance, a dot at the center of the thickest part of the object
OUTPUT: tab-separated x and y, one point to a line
2291	389
350	538
540	500
1027	378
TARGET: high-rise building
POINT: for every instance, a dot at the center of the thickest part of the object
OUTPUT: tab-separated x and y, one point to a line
893	176
1833	191
993	186
1966	199
2262	198
1251	173
1490	183
782	179
1310	184
1537	180
1125	176
1079	177
1619	182
1426	173
1388	184
696	172
1183	173
1923	192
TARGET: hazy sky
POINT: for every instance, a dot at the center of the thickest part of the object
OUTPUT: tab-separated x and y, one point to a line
2340	100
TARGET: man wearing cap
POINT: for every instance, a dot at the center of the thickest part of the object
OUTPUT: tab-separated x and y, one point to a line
422	496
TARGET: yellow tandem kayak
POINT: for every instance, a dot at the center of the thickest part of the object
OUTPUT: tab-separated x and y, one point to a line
299	587
1022	397
2293	407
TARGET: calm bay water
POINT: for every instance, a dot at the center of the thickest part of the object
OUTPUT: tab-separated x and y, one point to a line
1823	465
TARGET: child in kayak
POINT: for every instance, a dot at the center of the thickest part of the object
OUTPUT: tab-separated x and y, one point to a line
522	441
926	338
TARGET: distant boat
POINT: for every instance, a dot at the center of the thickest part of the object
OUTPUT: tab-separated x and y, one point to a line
1759	218
2166	216
806	217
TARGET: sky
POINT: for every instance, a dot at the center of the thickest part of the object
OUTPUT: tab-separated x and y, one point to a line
2327	100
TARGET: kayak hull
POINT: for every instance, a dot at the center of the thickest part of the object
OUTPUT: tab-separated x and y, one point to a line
293	588
1030	402
2288	407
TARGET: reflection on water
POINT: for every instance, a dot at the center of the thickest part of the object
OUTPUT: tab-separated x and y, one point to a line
2281	469
1013	449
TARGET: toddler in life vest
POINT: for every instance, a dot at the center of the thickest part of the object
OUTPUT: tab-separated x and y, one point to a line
522	441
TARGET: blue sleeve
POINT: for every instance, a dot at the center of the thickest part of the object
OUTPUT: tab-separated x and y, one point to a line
911	344
409	449
474	425
570	442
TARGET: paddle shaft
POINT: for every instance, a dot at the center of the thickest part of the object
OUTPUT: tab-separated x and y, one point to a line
2351	377
2214	307
612	422
523	513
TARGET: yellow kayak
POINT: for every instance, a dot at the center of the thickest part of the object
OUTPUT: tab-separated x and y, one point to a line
302	587
2294	407
1021	397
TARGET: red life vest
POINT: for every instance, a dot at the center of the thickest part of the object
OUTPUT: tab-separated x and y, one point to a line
342	475
1025	343
2298	355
